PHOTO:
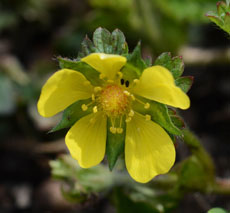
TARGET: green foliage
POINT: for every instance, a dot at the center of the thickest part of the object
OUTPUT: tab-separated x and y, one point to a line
174	64
184	83
104	42
217	210
82	182
222	17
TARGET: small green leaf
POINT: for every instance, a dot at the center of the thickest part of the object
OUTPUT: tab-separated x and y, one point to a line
217	210
221	7
72	114
87	47
227	22
184	83
215	18
102	40
91	74
175	65
135	58
159	114
115	143
119	44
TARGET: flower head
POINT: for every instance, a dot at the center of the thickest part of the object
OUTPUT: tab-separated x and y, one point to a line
149	150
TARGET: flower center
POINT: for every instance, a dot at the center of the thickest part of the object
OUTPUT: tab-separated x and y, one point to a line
113	101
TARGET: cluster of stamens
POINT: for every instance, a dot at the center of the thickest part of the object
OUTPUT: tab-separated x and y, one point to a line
115	101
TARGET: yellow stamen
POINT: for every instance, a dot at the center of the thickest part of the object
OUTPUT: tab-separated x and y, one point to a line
97	89
128	119
110	81
113	129
147	105
131	113
84	107
101	76
93	97
95	109
126	93
147	117
136	81
133	97
119	130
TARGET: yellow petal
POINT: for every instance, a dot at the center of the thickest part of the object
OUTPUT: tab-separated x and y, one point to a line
86	140
157	83
106	64
149	150
61	90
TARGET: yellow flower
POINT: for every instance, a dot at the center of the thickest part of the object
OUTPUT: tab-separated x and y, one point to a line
149	150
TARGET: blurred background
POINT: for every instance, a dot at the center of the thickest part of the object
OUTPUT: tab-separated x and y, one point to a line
34	32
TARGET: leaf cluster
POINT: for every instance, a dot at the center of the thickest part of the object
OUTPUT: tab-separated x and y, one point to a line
222	17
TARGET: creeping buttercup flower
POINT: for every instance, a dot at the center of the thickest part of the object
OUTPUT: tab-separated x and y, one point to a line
149	150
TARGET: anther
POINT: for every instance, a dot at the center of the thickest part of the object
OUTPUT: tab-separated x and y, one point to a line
136	81
93	97
127	83
101	76
95	109
119	130
147	117
84	107
131	113
110	81
126	93
86	83
113	130
97	89
133	97
128	119
147	105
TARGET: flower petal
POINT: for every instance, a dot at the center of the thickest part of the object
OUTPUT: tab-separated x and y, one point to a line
107	64
157	83
86	140
61	90
149	150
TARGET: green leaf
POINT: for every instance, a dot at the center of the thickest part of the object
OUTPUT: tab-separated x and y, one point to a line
119	44
124	204
135	59
217	210
159	114
102	40
87	47
175	65
184	83
72	114
91	74
227	22
115	143
215	18
221	7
